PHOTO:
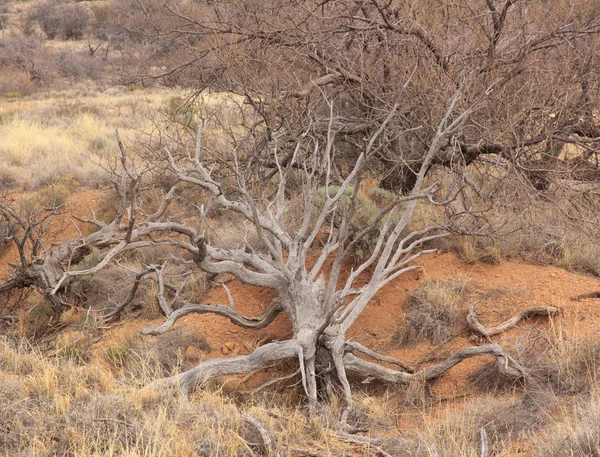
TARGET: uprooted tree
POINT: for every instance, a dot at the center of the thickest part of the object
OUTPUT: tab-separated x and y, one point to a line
306	207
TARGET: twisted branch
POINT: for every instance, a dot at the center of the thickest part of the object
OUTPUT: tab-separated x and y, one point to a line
253	323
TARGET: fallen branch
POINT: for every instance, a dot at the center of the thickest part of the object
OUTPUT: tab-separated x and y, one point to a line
241	364
356	438
264	435
487	333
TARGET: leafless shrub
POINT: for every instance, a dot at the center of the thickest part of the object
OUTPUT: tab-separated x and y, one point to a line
11	176
59	19
79	65
23	56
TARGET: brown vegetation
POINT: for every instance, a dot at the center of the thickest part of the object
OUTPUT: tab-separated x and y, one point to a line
320	154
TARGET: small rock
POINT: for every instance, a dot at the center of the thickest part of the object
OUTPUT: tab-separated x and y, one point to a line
230	345
225	350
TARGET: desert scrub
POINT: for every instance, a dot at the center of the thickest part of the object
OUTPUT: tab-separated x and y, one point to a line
431	311
52	407
150	358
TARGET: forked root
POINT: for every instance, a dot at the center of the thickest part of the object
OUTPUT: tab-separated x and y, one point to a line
370	370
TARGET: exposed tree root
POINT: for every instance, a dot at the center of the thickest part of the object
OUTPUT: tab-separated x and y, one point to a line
367	370
487	333
253	323
270	383
584	296
214	368
354	346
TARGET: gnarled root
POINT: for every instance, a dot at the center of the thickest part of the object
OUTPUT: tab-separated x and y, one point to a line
487	333
253	323
370	370
229	366
354	346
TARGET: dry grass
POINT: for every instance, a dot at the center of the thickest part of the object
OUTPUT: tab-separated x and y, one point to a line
53	407
68	403
575	434
57	134
458	434
431	311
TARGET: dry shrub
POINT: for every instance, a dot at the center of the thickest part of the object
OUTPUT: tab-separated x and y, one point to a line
471	250
490	378
579	255
577	435
431	311
502	216
35	317
153	357
575	366
79	65
459	434
59	19
562	367
102	289
15	82
74	345
12	177
58	192
369	411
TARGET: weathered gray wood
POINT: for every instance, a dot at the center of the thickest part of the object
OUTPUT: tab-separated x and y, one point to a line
487	333
364	369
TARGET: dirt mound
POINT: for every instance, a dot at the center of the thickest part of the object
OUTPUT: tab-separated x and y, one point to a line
502	289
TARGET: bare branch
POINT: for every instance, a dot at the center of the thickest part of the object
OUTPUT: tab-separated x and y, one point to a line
254	323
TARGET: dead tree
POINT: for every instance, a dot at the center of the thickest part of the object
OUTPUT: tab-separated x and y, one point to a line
321	299
321	303
30	228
